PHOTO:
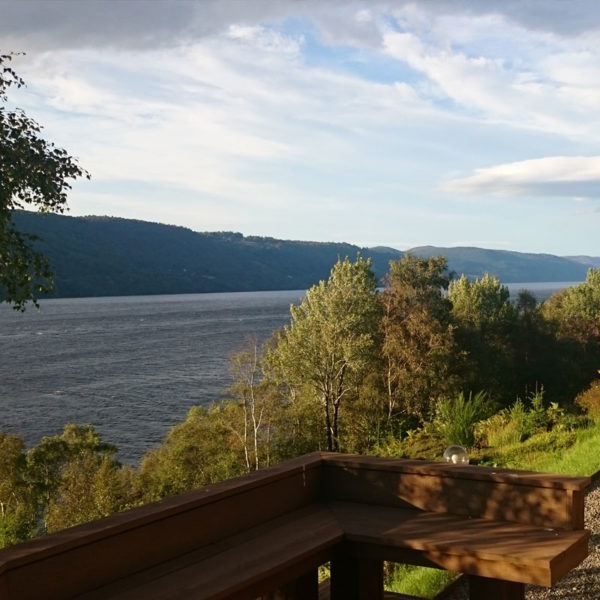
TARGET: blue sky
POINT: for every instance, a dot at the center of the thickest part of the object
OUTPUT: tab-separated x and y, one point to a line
377	123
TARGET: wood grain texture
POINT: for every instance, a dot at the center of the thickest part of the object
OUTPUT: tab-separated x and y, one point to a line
544	506
251	560
497	549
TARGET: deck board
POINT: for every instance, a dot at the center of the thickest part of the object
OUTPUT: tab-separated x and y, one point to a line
224	569
498	549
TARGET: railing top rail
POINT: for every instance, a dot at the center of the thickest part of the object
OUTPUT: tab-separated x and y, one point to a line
439	469
138	517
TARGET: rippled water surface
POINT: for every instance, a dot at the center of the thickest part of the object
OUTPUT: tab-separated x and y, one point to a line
130	366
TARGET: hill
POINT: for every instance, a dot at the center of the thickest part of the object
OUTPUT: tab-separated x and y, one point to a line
509	266
102	256
105	256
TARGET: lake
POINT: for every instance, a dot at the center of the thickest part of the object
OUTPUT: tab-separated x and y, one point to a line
132	366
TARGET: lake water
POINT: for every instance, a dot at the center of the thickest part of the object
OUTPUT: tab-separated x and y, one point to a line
131	366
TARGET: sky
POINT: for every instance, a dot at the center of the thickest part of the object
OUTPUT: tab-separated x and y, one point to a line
379	123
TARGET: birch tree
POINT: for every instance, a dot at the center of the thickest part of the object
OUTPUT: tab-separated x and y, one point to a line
331	341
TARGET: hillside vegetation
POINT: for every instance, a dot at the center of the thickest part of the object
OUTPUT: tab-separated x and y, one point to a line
104	256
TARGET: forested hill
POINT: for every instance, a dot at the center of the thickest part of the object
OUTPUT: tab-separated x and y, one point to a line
102	256
509	266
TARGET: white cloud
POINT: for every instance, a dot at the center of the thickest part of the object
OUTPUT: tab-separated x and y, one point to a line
328	119
570	176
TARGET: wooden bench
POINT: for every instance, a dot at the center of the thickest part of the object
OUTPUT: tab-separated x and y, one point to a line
272	529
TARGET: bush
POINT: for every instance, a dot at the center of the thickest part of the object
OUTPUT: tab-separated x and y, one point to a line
423	444
499	430
589	400
455	420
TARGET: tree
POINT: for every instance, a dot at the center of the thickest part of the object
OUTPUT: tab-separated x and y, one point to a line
332	340
201	450
576	310
257	399
573	317
34	173
17	508
67	472
485	322
418	346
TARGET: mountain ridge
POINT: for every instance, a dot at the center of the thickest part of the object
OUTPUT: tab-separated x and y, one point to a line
112	256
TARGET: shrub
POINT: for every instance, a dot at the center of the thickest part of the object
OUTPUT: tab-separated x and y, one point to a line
422	443
589	400
499	430
455	419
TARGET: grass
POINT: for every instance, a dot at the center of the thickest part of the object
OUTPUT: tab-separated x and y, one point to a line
581	458
417	581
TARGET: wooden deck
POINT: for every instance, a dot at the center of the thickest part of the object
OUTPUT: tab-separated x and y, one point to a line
267	533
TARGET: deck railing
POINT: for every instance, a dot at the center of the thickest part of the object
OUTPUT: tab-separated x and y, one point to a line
268	532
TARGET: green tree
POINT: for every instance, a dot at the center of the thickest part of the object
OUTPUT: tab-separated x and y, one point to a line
34	173
576	310
332	340
418	343
65	472
258	400
17	506
203	449
485	320
91	486
572	316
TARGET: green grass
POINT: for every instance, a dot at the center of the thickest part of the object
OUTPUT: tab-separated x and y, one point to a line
417	581
581	458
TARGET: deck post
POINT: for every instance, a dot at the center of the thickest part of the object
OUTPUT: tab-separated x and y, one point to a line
484	588
356	578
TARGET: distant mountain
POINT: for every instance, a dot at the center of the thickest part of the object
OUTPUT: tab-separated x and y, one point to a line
105	256
588	261
508	266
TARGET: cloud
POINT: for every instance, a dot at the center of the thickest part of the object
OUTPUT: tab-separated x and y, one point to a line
565	176
43	24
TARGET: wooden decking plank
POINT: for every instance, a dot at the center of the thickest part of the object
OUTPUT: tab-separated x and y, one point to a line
481	546
220	570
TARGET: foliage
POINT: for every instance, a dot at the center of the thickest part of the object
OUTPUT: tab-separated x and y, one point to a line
201	450
72	476
455	419
576	310
91	486
418	345
331	342
484	319
589	400
572	319
423	443
525	454
257	399
354	370
498	430
420	582
33	173
17	514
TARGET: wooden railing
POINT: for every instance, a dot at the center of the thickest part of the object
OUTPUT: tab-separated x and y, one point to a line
268	532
